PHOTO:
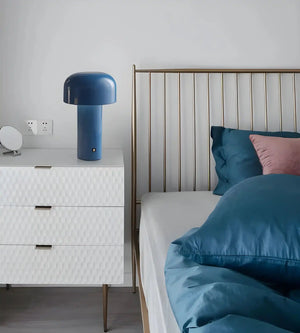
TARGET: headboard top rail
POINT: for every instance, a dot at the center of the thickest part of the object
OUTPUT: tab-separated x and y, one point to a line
216	70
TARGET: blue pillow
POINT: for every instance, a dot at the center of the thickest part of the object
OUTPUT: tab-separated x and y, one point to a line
254	229
235	156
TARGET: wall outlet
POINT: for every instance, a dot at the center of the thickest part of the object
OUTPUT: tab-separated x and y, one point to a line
44	127
31	127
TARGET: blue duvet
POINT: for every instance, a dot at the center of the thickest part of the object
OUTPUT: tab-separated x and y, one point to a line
253	233
208	299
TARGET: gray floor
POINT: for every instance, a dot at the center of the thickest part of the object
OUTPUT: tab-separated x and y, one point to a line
67	310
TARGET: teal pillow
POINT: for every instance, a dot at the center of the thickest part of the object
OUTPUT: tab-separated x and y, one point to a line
235	156
254	229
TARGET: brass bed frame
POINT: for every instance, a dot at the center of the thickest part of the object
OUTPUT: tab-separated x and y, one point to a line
135	202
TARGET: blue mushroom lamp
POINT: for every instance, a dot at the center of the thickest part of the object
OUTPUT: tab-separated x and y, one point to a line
89	91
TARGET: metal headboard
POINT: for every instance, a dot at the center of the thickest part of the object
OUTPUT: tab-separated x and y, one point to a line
149	73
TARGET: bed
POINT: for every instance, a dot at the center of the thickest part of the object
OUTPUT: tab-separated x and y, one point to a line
161	223
185	177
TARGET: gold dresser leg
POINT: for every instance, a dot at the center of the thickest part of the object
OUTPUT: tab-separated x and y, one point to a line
105	301
133	271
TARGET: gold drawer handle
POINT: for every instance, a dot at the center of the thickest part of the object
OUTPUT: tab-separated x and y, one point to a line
42	207
43	167
43	247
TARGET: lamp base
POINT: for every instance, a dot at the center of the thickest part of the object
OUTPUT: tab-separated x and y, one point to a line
89	132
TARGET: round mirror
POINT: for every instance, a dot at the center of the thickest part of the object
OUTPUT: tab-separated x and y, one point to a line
10	138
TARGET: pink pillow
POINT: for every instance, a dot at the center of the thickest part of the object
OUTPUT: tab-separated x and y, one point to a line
277	155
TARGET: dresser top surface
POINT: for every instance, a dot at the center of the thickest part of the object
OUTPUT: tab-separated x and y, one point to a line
60	158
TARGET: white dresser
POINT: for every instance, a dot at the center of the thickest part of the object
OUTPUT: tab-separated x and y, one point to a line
62	219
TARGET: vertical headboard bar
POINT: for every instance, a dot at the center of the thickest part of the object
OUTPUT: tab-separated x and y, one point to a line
208	124
223	102
133	179
280	102
179	132
237	101
251	101
266	101
165	135
194	132
295	102
150	135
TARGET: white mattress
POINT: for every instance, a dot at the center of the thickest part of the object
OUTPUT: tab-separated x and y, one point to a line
165	217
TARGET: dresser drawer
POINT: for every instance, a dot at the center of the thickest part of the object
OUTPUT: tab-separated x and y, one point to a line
20	225
62	186
61	265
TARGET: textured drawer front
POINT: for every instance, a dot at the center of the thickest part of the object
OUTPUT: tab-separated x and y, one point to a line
62	186
62	225
61	265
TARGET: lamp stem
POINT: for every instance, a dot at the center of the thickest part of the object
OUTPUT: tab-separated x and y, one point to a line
89	132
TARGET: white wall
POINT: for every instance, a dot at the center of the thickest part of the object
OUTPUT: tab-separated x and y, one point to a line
43	41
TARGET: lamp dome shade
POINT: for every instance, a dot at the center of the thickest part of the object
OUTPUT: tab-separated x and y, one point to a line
90	88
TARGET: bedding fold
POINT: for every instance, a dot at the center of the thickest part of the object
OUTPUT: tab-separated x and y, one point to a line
208	299
234	323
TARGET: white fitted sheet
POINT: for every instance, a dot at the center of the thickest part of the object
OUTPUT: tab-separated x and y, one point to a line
165	217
